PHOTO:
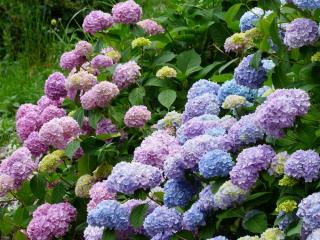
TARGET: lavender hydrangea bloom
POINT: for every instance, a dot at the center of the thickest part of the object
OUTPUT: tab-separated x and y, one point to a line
280	109
83	48
248	76
99	95
174	166
44	102
101	61
162	220
194	149
315	235
277	164
93	233
216	163
126	74
50	113
249	163
6	184
105	126
203	104
303	164
129	177
35	145
206	199
51	221
97	21
250	18
218	238
103	215
70	60
55	86
245	131
307	4
24	109
301	32
150	27
127	12
27	124
201	87
100	192
178	193
229	195
155	148
308	211
137	116
232	88
81	80
193	217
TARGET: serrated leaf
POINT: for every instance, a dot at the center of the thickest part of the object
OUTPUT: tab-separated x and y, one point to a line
257	223
167	98
71	148
136	96
164	58
230	15
138	214
188	60
38	186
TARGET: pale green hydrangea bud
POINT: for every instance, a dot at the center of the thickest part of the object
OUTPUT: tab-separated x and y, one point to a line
287	181
277	164
287	206
102	171
249	238
166	72
84	185
50	162
273	234
234	101
140	42
316	57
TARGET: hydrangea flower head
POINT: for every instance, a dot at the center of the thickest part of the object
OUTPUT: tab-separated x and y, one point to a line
277	164
50	162
234	101
303	164
314	235
55	86
161	220
174	166
93	233
27	124
104	214
216	163
127	12
193	217
97	21
150	27
105	126
247	75
98	193
171	119
140	42
101	61
83	48
137	116
287	206
35	145
273	234
155	148
81	80
44	102
301	32
250	18
126	74
166	72
177	193
110	52
232	88
70	60
6	184
50	113
305	4
24	109
206	199
83	185
201	87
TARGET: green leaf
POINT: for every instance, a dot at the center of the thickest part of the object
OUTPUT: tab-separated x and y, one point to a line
164	58
78	116
230	15
256	59
188	61
222	68
295	230
136	96
58	193
203	73
138	214
38	186
94	118
19	236
222	77
21	217
183	235
167	98
71	148
257	223
231	213
109	235
86	164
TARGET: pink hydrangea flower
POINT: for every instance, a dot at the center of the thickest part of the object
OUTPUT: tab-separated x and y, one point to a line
27	124
44	102
101	61
51	112
55	86
97	21
25	109
98	193
137	116
127	12
83	48
6	184
70	60
126	74
150	27
35	145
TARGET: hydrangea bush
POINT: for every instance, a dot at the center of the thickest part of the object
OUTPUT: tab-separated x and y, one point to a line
199	124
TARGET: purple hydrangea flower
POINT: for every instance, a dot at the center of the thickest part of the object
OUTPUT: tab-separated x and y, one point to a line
101	61
216	163
126	74
24	109
280	109
249	163
50	113
218	238
27	124
306	4
70	60
303	164
250	18
81	80
150	27
248	76
55	86
155	148
206	199
51	221
83	48
105	126
99	95
174	166
93	233
193	217
97	21
127	12
19	165
201	87
129	177
44	102
35	145
98	193
203	104
229	195
301	32
6	184
137	116
315	235
178	193
162	220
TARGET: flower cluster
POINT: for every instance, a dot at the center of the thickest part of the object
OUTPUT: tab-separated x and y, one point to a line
126	74
137	116
150	27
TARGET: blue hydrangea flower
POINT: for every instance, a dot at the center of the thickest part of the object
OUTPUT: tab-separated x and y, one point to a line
162	220
232	88
201	87
315	235
193	218
174	166
307	4
248	76
250	18
178	193
215	132
218	238
216	163
268	64
206	199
